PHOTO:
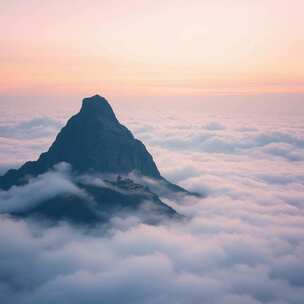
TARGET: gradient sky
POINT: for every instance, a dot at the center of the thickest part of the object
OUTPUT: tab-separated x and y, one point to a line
152	47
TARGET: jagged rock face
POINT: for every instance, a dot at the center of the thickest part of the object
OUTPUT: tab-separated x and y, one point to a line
92	141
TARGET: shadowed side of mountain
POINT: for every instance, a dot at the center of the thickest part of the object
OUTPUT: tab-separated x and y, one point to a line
97	201
93	142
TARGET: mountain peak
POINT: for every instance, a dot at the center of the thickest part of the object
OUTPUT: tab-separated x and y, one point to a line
97	105
94	143
93	140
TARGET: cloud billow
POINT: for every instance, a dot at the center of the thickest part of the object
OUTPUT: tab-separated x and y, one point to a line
242	244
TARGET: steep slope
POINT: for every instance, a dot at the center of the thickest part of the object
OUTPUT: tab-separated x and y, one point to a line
94	143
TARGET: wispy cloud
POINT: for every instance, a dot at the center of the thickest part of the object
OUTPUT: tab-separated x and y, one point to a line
37	189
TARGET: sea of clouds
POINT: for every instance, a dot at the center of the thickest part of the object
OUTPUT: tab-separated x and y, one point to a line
243	242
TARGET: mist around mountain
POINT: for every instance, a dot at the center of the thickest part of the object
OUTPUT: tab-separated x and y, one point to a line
107	171
241	244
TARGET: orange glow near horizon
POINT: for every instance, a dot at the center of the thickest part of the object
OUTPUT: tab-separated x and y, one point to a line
153	47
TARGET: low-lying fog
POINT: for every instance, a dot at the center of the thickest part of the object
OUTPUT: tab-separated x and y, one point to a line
245	240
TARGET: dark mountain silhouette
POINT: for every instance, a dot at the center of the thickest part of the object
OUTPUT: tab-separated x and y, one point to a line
93	142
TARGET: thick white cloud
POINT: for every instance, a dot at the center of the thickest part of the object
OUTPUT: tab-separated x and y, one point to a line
243	244
38	189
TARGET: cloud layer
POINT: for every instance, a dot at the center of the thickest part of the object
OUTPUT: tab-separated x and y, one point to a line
24	138
38	189
243	244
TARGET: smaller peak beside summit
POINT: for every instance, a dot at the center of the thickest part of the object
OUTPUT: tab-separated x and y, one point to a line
97	105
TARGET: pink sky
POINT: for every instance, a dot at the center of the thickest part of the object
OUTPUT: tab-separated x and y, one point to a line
152	47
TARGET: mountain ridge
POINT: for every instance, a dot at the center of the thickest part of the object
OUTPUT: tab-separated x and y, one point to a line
95	128
94	142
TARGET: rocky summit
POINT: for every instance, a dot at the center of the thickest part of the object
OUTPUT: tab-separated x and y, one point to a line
95	144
